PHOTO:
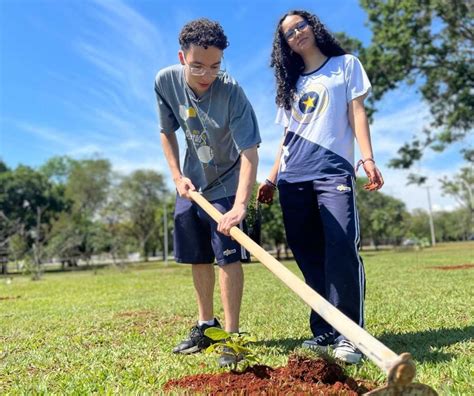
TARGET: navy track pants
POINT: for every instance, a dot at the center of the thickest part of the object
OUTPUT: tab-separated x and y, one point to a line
322	230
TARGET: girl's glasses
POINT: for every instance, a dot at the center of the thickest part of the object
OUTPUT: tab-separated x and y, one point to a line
291	33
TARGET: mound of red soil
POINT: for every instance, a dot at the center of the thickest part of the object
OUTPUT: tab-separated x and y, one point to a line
301	376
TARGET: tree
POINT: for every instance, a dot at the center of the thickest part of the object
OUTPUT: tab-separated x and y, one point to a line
28	205
168	202
451	226
70	239
57	169
461	188
8	230
86	187
430	43
3	167
113	237
382	218
273	228
142	193
18	248
419	225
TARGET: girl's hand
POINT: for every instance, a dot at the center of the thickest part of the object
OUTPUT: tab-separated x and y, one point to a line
265	192
374	175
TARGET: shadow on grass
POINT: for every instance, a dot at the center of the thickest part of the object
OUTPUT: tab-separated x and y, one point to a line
283	345
421	344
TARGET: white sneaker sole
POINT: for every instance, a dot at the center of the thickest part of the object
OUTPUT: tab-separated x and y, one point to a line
316	348
348	357
188	351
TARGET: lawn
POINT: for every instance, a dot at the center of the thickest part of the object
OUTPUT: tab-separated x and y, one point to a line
111	330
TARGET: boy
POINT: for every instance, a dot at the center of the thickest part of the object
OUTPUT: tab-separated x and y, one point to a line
221	162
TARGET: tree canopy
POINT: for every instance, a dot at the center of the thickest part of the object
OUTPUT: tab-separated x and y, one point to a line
428	43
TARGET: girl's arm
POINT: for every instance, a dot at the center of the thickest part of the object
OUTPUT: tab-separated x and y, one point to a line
267	188
360	125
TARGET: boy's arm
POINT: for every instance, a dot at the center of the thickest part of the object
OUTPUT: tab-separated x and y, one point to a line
170	146
247	177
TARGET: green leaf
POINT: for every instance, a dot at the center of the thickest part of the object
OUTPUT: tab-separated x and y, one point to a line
211	348
216	334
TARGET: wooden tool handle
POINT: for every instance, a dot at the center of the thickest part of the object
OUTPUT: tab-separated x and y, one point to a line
382	356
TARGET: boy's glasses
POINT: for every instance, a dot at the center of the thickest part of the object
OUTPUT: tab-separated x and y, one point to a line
291	33
202	71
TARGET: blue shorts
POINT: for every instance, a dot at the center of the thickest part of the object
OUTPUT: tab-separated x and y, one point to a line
196	239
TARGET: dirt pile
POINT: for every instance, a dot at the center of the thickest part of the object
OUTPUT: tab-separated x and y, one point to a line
301	376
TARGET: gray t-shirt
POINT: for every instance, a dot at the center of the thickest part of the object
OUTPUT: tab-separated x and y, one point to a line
218	126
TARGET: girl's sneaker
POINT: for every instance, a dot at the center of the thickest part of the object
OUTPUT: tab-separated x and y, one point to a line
346	351
320	343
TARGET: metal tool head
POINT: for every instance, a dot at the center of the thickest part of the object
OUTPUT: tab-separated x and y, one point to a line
400	377
412	389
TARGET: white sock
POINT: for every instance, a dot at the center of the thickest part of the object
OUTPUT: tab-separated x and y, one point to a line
206	322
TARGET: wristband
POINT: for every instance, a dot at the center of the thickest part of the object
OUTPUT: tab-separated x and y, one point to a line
270	183
363	161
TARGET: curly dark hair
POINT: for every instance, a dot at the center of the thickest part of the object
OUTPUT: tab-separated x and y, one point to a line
203	33
288	65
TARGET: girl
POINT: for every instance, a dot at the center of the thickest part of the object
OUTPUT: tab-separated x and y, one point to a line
320	97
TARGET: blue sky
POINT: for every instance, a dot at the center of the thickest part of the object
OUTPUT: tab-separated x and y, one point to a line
76	78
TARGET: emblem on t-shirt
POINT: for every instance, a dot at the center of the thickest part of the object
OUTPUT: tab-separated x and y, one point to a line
196	134
186	112
311	104
200	141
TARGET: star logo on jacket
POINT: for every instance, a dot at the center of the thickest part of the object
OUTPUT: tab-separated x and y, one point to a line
311	104
308	102
342	187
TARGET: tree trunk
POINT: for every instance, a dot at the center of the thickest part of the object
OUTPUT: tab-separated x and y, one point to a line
143	249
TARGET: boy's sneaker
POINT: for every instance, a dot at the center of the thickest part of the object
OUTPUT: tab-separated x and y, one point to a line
320	343
196	341
346	351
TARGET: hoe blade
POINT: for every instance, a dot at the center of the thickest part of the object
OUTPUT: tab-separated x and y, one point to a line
403	390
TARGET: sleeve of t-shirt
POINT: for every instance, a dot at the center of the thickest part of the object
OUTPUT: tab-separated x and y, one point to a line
168	122
357	82
243	123
282	117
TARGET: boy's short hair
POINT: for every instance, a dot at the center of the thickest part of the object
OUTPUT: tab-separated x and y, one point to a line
203	33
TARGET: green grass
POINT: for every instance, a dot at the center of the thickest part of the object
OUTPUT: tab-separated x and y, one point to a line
112	331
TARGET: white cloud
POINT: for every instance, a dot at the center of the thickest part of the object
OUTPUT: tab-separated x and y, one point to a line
416	196
125	165
47	133
392	128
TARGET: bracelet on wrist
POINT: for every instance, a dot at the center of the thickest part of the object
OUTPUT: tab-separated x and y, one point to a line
270	183
363	161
